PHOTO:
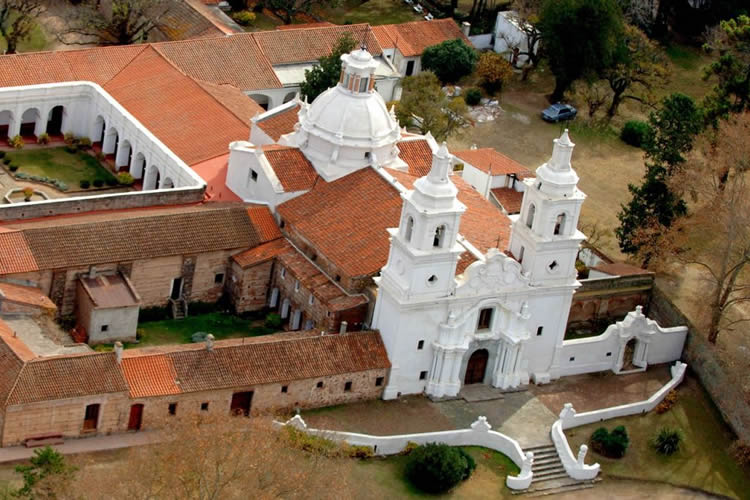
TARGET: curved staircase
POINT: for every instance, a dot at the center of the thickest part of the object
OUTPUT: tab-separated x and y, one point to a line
549	474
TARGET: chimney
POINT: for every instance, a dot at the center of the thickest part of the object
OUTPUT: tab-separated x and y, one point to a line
118	351
465	28
92	272
343	326
209	342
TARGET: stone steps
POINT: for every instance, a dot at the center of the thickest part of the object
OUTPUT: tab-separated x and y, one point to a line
550	476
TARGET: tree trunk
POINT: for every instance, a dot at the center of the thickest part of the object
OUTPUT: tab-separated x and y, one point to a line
11	41
561	85
616	100
453	7
713	331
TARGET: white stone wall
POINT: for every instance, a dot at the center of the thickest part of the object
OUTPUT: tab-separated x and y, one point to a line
121	323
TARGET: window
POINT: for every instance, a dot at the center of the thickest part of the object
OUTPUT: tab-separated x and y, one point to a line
314	257
345	79
553	265
337	278
572	358
560	224
218	278
609	354
254	175
319	385
437	241
539	331
311	300
422	375
284	389
520	254
283	272
204	406
409	68
173	408
420	345
296	285
432	280
485	319
348	386
363	84
91	417
530	216
105	328
409	228
379	381
282	223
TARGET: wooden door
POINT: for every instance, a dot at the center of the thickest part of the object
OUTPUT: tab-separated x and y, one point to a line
136	417
241	402
476	367
91	418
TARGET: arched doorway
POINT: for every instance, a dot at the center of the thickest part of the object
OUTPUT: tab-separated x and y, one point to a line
136	417
629	355
124	156
136	168
152	178
167	183
6	122
28	122
476	367
289	97
100	126
55	120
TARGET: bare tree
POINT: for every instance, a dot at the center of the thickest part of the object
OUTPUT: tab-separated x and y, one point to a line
287	10
114	22
17	19
528	19
716	237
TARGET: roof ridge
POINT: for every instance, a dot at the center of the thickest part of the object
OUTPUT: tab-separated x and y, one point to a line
145	46
15	384
72	355
63	53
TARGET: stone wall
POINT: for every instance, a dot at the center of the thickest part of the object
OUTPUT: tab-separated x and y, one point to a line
702	357
248	288
608	299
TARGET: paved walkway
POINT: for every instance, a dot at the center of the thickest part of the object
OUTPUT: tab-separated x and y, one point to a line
32	334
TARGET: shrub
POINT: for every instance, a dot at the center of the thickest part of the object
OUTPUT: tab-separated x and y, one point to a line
99	156
60	185
98	183
355	451
473	97
635	133
667	403
153	314
741	452
610	444
28	193
493	70
6	160
16	142
436	468
12	167
72	149
667	441
125	179
85	184
243	17
450	60
69	138
273	320
43	138
2	154
112	181
311	443
84	142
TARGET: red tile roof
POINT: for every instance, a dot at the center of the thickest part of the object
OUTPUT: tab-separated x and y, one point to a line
152	375
9	340
233	99
13	354
110	291
620	269
262	253
27	295
418	155
295	172
303	26
264	223
15	254
509	198
486	159
279	123
214	172
412	38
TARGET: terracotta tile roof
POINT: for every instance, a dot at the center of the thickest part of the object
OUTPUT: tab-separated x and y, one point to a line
15	254
488	158
308	45
150	375
621	269
175	108
262	253
184	21
236	60
303	26
214	172
295	172
412	38
101	64
233	99
11	363
110	291
418	155
509	198
68	242
27	295
264	223
280	123
346	220
63	377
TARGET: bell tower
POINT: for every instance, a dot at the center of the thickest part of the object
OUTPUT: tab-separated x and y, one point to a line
545	238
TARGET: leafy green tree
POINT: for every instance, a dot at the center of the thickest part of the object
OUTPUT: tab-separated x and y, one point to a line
17	20
48	476
450	60
328	70
674	127
581	39
425	106
731	40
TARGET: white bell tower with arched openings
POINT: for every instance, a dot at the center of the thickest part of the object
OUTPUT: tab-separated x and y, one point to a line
545	238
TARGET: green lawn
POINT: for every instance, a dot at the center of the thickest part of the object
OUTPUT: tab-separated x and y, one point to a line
385	478
703	461
37	41
374	12
56	163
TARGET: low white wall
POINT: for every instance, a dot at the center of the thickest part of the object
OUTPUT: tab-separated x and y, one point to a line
575	466
482	42
479	434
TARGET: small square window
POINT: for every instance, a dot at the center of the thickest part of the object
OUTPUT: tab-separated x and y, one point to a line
337	278
539	331
609	354
284	388
485	319
379	381
422	375
320	385
282	223
572	358
204	406
218	278
253	175
173	408
105	328
348	386
420	345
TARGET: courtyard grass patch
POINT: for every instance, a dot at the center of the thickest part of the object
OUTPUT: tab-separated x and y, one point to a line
703	461
57	163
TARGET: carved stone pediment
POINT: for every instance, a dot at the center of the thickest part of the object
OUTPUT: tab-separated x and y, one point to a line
496	274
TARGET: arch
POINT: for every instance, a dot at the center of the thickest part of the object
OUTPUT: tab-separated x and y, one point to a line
151	180
560	224
124	155
439	236
296	320
137	166
55	119
6	123
167	183
29	122
111	142
628	355
289	97
274	301
530	216
409	228
100	127
476	368
262	100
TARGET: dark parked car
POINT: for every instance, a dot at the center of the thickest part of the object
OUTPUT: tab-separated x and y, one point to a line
559	112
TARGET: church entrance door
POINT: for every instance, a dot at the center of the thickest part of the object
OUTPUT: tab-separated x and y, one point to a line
477	367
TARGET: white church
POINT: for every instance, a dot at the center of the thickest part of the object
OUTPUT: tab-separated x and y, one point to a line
499	320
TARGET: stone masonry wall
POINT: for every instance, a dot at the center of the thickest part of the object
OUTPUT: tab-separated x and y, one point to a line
609	299
248	288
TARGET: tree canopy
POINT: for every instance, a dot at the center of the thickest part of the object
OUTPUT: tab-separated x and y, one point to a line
581	39
450	60
327	72
47	475
17	19
494	70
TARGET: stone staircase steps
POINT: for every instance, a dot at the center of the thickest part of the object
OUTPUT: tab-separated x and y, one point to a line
549	474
